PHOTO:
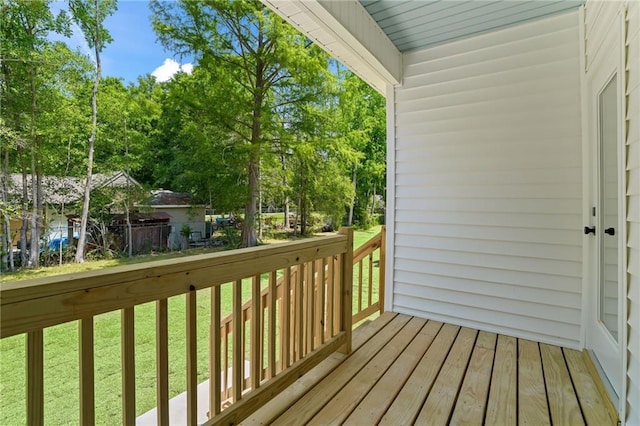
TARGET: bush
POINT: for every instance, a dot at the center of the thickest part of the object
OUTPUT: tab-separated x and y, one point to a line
232	238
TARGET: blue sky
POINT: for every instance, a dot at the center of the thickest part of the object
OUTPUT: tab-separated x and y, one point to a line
134	50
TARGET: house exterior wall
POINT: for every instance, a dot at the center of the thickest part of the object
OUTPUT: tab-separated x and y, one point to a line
600	17
488	183
633	211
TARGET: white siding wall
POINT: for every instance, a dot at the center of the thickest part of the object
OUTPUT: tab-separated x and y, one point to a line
633	216
599	17
489	182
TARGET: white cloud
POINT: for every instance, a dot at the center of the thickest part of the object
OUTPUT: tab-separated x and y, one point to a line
169	68
188	68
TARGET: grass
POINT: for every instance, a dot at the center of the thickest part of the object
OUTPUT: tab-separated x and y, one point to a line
61	380
69	268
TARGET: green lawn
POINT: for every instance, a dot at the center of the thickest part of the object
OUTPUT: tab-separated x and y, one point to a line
61	357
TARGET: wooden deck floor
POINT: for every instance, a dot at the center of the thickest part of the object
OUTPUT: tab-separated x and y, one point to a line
406	370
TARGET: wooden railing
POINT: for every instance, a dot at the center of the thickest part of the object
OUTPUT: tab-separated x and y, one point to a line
310	318
364	303
364	282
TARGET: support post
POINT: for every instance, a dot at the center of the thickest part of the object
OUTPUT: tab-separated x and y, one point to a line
346	286
382	269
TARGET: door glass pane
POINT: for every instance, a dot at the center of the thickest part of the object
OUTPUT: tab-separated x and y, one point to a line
609	208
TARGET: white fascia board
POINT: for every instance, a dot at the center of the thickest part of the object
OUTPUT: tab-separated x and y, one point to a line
346	31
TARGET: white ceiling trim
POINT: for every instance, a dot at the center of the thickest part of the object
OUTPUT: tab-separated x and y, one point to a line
346	31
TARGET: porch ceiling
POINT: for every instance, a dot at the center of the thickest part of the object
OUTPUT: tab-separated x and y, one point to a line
413	25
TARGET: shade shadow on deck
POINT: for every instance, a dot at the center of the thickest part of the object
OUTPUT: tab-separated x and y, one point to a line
406	370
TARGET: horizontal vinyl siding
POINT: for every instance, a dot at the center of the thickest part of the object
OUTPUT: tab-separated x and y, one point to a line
488	183
633	211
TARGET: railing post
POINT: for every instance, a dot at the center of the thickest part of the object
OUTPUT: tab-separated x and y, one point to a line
346	286
382	268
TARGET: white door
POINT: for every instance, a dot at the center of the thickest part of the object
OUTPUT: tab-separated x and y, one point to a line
605	313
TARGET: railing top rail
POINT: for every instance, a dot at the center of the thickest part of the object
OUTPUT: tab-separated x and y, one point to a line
43	302
369	247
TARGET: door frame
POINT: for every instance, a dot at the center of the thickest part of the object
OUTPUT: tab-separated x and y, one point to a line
613	39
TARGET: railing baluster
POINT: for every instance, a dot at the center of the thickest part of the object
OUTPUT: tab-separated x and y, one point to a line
311	307
215	401
360	280
162	362
321	300
87	388
256	328
285	331
238	356
382	267
330	297
346	289
337	295
225	356
271	346
35	378
300	313
128	367
192	359
370	287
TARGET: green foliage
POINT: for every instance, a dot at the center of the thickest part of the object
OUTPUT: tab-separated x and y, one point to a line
89	15
264	114
185	231
362	123
259	69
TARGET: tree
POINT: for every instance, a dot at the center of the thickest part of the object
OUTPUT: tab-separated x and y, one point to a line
263	65
89	15
361	121
24	70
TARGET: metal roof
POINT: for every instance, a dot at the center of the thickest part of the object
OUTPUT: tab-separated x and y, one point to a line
418	24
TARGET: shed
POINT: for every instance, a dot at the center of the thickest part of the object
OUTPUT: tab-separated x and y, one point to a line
179	207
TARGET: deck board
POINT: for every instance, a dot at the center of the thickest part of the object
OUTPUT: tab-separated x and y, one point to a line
405	370
440	401
534	409
593	407
377	401
563	403
346	400
407	405
503	400
474	393
314	400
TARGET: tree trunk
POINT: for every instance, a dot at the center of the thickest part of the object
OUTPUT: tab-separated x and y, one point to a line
36	180
34	249
373	201
25	217
353	203
286	212
7	252
285	185
249	237
60	252
259	211
94	124
302	207
129	228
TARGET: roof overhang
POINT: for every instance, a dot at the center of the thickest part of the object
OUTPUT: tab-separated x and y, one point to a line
348	33
371	38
